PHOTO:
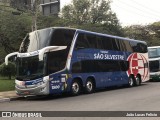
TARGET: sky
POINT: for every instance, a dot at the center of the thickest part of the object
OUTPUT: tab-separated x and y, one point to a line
131	12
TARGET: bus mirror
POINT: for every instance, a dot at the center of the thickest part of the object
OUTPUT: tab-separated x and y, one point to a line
48	49
8	56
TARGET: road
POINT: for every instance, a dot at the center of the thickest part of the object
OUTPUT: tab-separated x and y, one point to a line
143	98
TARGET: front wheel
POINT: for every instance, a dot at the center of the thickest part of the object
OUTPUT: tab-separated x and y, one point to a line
75	88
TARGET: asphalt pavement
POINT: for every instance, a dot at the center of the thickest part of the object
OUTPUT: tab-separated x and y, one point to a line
142	98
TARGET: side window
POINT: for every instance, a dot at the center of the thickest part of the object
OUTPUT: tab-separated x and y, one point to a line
108	66
115	44
62	37
142	48
88	66
43	36
85	40
139	47
56	61
124	65
107	43
92	40
76	67
125	46
134	46
82	42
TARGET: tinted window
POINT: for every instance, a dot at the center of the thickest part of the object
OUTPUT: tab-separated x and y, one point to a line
142	47
105	43
126	46
115	44
154	52
35	41
86	40
56	61
62	37
139	47
43	36
87	66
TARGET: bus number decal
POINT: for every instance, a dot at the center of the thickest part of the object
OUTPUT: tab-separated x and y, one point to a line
56	87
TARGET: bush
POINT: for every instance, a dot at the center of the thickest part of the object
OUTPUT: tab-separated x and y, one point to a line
8	70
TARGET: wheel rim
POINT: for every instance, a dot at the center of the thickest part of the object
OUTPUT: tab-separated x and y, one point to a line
75	87
131	81
89	86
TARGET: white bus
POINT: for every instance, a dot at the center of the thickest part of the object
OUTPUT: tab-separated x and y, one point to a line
154	62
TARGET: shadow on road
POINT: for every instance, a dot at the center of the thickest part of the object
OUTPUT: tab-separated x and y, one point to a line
66	95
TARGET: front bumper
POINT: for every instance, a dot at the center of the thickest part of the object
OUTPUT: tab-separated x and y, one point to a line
37	90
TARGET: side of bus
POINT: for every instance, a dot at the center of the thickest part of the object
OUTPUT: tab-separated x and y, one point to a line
98	61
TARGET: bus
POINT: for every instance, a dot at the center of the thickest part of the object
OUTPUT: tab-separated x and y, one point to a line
154	62
58	59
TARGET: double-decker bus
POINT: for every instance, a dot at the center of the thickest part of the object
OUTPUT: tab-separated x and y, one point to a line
154	62
56	60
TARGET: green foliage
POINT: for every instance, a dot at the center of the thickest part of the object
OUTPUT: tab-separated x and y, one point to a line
93	15
149	33
49	21
6	85
13	29
8	70
89	11
101	28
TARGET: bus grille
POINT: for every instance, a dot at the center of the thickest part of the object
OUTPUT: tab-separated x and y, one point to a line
154	66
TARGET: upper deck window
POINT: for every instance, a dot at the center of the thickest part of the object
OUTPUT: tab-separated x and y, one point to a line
35	41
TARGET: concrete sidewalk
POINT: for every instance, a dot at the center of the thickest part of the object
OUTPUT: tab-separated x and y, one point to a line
8	96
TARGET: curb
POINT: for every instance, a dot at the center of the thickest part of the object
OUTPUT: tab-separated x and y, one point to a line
4	100
10	99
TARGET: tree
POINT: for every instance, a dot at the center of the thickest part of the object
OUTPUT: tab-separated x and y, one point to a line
8	70
149	33
89	11
93	15
13	29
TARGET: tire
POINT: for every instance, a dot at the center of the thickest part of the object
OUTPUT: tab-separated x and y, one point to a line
89	86
75	88
131	81
137	81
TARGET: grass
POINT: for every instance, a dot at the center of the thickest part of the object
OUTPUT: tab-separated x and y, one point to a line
6	84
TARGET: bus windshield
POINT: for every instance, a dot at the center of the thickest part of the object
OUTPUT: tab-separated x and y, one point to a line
30	68
35	41
154	52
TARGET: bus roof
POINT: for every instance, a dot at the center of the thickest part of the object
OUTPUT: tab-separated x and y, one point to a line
96	33
107	35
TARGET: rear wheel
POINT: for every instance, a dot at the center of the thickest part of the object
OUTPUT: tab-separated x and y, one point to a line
138	81
131	81
75	88
89	86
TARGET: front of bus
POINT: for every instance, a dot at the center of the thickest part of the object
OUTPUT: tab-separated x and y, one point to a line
154	62
32	61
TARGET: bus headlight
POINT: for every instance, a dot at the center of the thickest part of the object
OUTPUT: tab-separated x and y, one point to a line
46	78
